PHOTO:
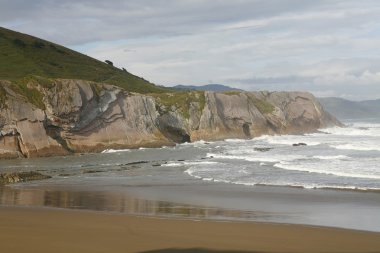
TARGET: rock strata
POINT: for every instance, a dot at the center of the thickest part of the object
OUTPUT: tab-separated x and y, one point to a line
76	116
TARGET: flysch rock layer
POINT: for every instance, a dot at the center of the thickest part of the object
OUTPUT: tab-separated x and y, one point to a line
82	116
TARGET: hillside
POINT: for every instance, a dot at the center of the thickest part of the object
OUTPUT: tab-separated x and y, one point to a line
208	87
55	101
346	109
22	56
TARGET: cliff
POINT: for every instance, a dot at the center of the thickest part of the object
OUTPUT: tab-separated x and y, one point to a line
61	116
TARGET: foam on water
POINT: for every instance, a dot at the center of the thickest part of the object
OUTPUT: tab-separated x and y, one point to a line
109	151
358	146
344	158
197	144
333	157
357	129
188	163
337	168
289	140
257	158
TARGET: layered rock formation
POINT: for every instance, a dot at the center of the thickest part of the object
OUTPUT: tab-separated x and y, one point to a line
70	116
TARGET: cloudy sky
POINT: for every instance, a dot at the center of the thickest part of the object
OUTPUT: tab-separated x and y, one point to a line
328	47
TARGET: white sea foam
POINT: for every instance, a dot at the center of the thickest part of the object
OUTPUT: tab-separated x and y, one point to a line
257	158
108	151
199	143
358	129
341	158
200	162
336	169
319	186
358	146
235	140
289	140
333	157
273	182
188	163
171	164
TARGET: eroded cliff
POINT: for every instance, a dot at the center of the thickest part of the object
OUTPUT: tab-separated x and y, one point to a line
60	116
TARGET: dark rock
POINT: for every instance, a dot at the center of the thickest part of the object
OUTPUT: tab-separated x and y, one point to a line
65	175
16	177
134	163
299	144
91	171
322	132
262	149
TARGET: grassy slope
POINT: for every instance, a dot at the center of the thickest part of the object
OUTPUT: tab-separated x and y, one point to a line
181	101
22	55
28	61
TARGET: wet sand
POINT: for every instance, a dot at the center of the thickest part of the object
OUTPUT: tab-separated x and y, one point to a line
54	230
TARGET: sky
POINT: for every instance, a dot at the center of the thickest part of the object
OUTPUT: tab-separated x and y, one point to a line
327	47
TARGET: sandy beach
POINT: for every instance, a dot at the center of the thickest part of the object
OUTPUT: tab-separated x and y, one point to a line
125	202
54	230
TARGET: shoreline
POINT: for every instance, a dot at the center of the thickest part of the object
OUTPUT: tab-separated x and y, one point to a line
177	218
62	230
198	200
28	176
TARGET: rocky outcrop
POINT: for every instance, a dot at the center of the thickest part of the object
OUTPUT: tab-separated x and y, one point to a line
16	177
82	116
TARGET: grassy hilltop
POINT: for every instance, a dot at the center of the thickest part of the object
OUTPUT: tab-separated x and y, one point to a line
23	56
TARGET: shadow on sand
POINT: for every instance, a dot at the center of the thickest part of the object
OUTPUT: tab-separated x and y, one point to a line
197	250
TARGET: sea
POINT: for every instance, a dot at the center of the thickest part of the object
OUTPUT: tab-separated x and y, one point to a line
335	158
327	178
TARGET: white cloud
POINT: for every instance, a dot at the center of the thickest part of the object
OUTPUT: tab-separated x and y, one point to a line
253	44
367	78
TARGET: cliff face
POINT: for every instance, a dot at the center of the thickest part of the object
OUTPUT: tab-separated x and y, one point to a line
81	116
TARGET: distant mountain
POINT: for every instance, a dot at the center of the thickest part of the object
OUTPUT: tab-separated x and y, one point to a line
22	55
346	109
208	87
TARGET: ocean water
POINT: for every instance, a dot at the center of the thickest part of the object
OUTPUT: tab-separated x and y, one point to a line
333	180
337	158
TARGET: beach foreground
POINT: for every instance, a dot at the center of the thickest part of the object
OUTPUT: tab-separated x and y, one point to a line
52	230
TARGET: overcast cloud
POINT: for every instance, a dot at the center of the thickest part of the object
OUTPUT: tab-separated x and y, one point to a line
331	48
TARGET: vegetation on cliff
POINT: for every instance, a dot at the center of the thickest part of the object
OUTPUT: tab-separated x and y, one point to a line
22	55
3	97
180	101
263	106
29	86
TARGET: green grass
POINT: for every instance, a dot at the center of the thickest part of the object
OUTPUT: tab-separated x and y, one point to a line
3	97
28	87
263	106
22	55
231	93
181	101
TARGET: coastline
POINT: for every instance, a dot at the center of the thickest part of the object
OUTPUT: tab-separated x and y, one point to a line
199	200
59	230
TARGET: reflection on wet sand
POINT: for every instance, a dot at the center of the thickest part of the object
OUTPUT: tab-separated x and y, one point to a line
119	203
